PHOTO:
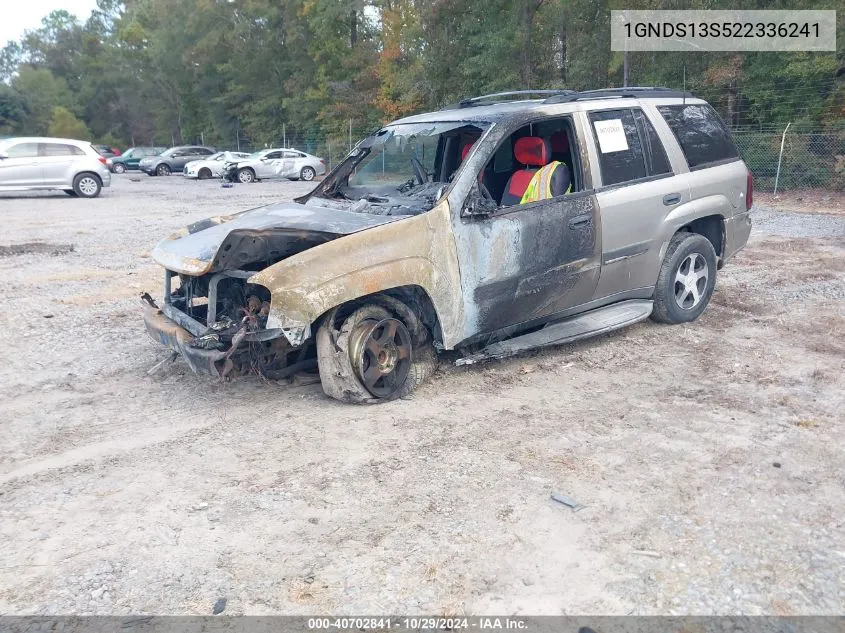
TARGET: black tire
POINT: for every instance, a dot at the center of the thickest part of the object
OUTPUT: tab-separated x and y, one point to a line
245	175
87	185
689	256
307	173
118	168
204	173
163	169
338	375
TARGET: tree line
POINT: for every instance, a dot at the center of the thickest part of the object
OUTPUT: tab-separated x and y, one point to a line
171	71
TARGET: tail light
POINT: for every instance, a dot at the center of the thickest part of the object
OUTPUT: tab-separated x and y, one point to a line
102	159
749	191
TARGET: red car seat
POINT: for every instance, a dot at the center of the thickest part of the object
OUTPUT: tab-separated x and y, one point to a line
531	151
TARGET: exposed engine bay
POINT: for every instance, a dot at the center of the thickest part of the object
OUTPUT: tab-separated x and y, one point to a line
227	320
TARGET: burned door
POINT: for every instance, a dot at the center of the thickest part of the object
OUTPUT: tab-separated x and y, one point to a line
527	262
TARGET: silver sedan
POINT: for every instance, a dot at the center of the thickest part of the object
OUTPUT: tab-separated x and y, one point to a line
278	163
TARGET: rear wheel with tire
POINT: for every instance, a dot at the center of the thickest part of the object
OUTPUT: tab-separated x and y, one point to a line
686	280
307	173
373	356
204	173
246	175
163	170
87	185
118	168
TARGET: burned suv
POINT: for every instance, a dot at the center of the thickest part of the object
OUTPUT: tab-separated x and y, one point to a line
436	234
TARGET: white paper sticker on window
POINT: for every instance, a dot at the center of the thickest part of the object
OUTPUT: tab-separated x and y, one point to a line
611	136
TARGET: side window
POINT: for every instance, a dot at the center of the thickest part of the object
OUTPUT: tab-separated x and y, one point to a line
618	142
23	150
59	149
273	155
702	135
656	160
293	155
201	151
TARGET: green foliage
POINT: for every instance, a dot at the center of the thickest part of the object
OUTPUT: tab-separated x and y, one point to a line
64	124
14	110
251	71
43	92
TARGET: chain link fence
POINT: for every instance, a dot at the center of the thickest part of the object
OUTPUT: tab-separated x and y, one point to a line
813	160
810	160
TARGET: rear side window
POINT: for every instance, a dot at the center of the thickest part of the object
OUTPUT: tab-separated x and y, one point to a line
23	150
201	151
620	150
60	149
655	156
702	135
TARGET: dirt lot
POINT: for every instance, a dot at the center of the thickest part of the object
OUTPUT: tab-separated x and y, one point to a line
708	456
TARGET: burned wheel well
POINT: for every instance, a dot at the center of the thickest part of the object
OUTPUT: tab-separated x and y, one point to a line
711	227
410	303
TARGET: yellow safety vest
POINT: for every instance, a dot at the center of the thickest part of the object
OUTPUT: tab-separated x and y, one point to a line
540	187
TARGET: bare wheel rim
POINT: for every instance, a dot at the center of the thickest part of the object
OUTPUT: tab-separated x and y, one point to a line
245	175
381	355
691	281
88	186
307	174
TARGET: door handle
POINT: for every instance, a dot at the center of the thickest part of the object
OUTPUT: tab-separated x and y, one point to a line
671	198
580	220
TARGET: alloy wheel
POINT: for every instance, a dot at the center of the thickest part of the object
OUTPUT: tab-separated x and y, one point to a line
691	281
88	186
381	355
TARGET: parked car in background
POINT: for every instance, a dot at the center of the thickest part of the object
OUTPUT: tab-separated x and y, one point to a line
108	152
173	159
211	167
34	163
130	158
276	163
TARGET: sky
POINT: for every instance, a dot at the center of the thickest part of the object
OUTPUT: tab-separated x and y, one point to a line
27	14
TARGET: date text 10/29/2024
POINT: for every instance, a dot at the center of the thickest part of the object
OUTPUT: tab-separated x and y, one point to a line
417	624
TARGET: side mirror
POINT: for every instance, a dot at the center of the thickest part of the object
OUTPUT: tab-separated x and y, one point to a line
476	204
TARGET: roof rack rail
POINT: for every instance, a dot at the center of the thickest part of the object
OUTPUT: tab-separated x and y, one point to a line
472	101
618	93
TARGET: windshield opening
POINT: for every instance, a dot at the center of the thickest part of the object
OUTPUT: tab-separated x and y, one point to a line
403	168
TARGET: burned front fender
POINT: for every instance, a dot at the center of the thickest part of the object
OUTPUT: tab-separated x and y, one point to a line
416	251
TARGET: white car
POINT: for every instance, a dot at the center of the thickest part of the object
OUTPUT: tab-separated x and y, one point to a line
279	162
72	166
211	167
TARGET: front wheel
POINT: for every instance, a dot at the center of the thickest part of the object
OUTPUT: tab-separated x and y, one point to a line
118	168
86	185
371	358
163	170
307	173
204	173
246	175
686	280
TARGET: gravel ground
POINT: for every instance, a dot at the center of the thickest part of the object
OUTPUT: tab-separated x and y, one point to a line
707	456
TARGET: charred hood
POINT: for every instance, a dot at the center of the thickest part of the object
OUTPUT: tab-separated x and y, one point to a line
266	234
